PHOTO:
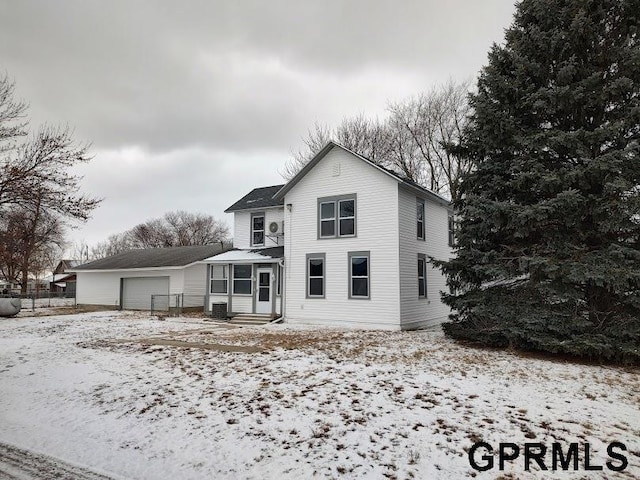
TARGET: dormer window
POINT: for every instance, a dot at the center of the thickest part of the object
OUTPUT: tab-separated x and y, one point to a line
257	230
337	216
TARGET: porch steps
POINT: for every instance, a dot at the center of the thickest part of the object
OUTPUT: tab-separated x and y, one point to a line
250	319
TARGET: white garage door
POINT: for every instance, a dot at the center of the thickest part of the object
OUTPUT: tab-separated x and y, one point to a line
136	292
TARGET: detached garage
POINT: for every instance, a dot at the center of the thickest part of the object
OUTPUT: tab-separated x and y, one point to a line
129	280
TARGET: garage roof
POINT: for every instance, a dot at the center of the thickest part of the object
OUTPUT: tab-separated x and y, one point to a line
154	257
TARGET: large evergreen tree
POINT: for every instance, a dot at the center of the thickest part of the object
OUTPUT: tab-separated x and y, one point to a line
548	244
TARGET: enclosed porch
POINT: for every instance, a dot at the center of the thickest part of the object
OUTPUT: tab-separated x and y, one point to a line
246	284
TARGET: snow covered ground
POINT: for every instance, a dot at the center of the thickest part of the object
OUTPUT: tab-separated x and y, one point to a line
131	396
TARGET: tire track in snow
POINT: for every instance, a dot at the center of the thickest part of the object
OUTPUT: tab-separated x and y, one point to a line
20	464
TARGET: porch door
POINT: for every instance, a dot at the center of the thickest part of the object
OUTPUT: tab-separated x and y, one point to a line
264	292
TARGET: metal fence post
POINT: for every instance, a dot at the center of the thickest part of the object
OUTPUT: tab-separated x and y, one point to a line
152	304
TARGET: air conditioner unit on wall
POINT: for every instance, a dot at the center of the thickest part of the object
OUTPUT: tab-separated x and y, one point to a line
276	228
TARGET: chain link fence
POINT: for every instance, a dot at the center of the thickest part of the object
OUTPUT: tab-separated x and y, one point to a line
42	299
177	303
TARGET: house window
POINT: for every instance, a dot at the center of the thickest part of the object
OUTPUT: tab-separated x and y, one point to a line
315	275
337	216
452	231
422	276
219	279
359	275
327	219
420	218
279	280
257	230
347	210
242	279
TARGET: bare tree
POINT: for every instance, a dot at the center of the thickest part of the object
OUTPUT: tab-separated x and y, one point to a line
39	193
115	244
417	139
364	136
173	229
28	236
12	114
433	123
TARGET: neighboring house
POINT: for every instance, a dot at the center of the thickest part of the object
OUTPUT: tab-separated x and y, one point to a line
128	280
8	286
63	281
345	242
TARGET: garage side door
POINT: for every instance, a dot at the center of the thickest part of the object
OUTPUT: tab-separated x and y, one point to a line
136	292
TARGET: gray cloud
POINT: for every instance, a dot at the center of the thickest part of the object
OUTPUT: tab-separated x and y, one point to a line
191	104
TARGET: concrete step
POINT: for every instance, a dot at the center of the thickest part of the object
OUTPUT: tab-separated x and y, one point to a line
250	319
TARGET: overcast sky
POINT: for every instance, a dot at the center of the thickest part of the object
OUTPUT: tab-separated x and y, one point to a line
189	105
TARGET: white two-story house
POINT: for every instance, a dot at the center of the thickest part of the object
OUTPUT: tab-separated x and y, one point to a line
343	243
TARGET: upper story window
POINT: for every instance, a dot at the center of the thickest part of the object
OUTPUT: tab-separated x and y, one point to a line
219	279
337	216
257	230
452	231
420	218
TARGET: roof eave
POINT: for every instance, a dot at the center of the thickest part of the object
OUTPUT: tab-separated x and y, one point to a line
233	210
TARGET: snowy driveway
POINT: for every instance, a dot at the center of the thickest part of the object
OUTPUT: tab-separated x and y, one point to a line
129	396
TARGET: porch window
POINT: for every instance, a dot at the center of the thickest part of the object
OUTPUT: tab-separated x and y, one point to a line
257	230
315	275
420	218
359	275
219	279
422	276
242	279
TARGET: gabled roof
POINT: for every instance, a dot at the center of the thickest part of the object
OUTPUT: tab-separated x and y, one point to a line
154	257
330	146
258	198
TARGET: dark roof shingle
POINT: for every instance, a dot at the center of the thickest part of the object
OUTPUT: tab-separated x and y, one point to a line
258	198
154	257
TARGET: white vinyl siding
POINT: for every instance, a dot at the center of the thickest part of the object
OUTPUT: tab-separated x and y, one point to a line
242	228
376	231
415	311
